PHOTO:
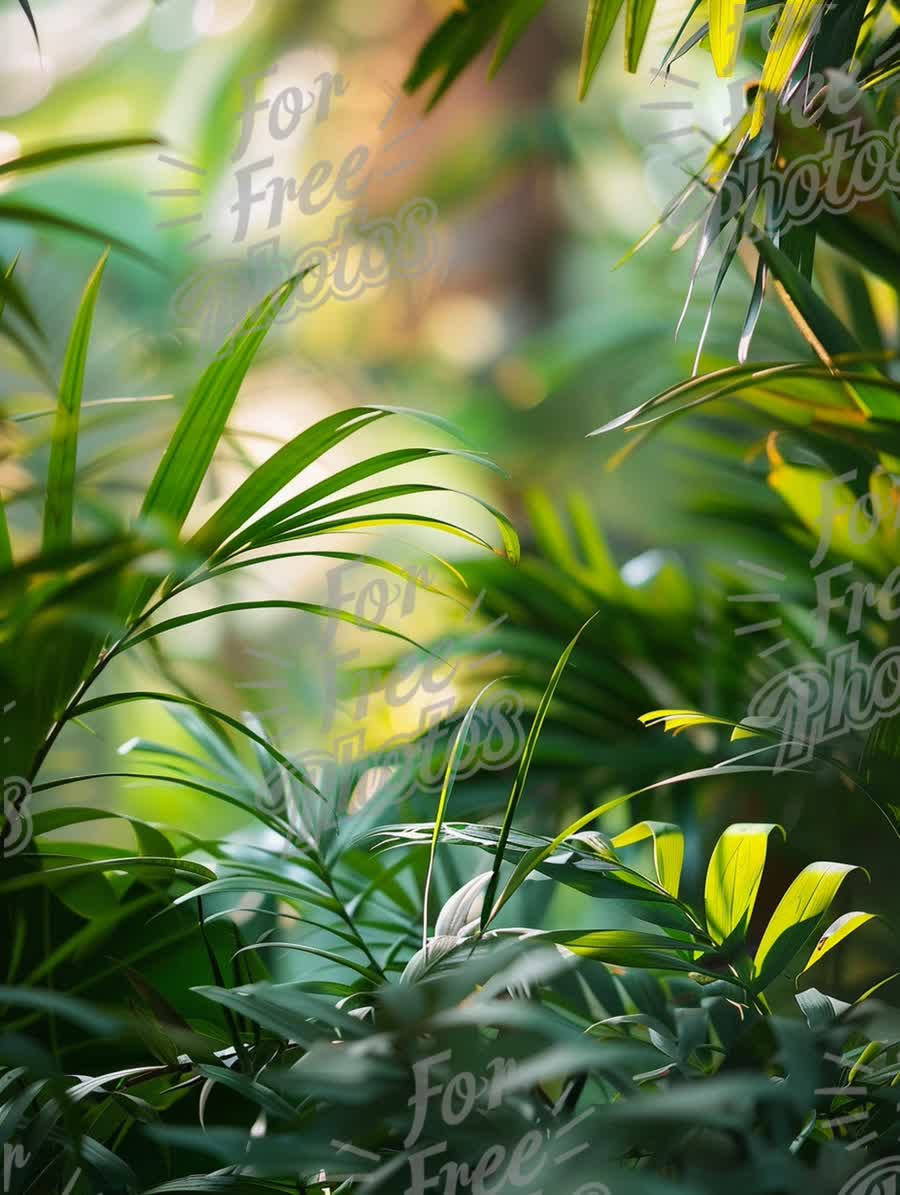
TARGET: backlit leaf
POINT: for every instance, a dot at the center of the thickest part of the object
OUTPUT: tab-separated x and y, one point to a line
733	878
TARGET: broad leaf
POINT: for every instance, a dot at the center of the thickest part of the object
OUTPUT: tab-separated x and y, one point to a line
836	933
796	918
733	878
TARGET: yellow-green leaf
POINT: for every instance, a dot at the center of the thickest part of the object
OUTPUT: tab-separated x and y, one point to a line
726	19
831	511
668	850
797	916
795	27
836	932
678	720
630	948
733	878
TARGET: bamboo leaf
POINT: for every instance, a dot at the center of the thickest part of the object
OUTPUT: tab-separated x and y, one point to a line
826	326
251	1089
114	699
341	959
187	458
296	889
309	520
184	620
407	519
54	155
638	15
60	500
275	473
521	16
601	20
446	788
455	44
17	211
12	293
185	463
291	459
521	779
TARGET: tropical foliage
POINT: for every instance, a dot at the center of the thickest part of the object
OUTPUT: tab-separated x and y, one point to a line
642	952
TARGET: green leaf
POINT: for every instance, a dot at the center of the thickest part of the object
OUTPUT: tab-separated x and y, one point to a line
549	534
60	500
455	44
12	293
638	15
6	552
408	519
59	1005
446	788
630	948
186	461
300	891
310	520
190	451
341	959
53	155
733	877
221	1184
726	19
521	16
251	1089
594	548
238	800
407	575
601	20
796	918
284	1010
18	212
540	854
290	460
821	1010
275	473
836	933
114	699
668	850
521	779
184	620
71	871
818	498
825	325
